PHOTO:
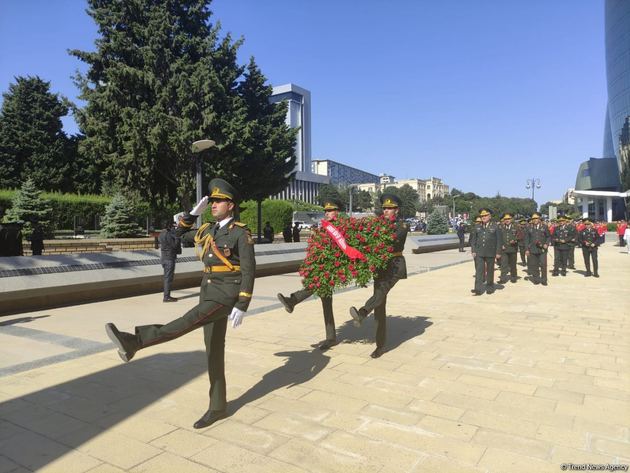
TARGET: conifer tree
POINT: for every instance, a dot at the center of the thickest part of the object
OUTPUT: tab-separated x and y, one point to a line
118	221
32	142
437	224
30	208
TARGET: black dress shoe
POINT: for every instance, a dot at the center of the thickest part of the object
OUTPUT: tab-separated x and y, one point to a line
536	283
170	299
477	293
358	315
502	281
377	353
588	274
595	275
209	418
126	343
513	280
554	274
286	303
327	344
490	291
544	283
564	273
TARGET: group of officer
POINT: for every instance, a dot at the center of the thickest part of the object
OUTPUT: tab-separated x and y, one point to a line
502	242
384	280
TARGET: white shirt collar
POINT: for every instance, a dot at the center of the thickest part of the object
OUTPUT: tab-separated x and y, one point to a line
224	222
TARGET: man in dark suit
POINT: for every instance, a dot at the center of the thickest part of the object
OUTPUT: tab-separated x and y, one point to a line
385	279
170	247
227	252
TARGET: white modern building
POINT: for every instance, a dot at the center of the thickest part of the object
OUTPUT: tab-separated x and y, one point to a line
342	174
305	186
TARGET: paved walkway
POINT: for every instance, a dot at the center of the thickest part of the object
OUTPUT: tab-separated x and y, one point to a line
524	380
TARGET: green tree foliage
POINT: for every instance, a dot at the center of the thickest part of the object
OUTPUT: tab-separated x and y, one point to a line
409	199
362	201
437	224
563	208
161	78
500	204
32	142
29	207
330	191
119	220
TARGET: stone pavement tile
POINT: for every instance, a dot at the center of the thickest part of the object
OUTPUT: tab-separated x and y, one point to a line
307	410
251	437
496	460
497	384
20	449
460	388
15	350
372	452
114	448
611	447
396	416
561	367
379	394
293	426
44	421
140	427
450	428
334	401
318	459
521	402
349	422
183	443
227	457
428	369
572	455
503	423
616	384
503	372
436	409
559	395
614	431
247	414
593	390
593	413
7	466
170	463
514	443
565	437
9	429
423	440
433	464
106	468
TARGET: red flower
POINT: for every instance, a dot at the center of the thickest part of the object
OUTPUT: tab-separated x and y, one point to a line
390	249
337	264
332	282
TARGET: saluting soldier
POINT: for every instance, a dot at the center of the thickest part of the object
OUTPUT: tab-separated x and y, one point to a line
509	248
520	234
563	237
385	279
537	241
486	251
331	212
227	252
589	240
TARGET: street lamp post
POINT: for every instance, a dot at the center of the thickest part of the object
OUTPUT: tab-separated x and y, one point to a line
533	183
454	197
197	148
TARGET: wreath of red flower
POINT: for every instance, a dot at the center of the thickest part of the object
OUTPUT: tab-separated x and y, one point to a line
326	267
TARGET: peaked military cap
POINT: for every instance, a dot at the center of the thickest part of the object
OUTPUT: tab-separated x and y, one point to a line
332	204
484	212
586	220
390	201
477	219
220	189
506	216
522	220
535	215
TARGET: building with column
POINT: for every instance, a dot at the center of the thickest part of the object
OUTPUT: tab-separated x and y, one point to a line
597	190
427	189
305	185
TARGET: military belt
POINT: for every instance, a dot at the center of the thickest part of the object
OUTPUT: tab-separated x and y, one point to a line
220	269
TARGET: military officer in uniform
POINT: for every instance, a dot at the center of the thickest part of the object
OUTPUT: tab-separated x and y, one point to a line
471	240
509	248
571	254
537	241
331	212
588	240
227	252
486	250
385	279
522	225
563	237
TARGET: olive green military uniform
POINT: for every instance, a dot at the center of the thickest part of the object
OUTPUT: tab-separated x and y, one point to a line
588	240
563	237
520	236
537	241
509	249
384	281
472	238
487	247
572	245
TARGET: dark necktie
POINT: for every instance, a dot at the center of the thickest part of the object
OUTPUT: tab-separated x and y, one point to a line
215	229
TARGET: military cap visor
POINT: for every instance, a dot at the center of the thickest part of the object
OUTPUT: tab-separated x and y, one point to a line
331	205
484	212
506	216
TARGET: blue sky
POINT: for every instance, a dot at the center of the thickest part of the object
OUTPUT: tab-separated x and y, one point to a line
481	93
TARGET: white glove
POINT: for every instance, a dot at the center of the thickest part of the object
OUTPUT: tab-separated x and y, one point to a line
200	207
236	317
176	217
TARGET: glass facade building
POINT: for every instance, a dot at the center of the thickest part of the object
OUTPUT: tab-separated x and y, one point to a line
617	30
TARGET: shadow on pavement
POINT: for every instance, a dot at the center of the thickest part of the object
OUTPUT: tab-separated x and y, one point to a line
39	428
300	367
22	320
399	330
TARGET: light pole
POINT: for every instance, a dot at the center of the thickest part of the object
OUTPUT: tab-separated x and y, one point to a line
454	197
197	148
533	183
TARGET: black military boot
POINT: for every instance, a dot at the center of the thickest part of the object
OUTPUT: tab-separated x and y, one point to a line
286	302
209	418
327	344
377	353
358	315
127	343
